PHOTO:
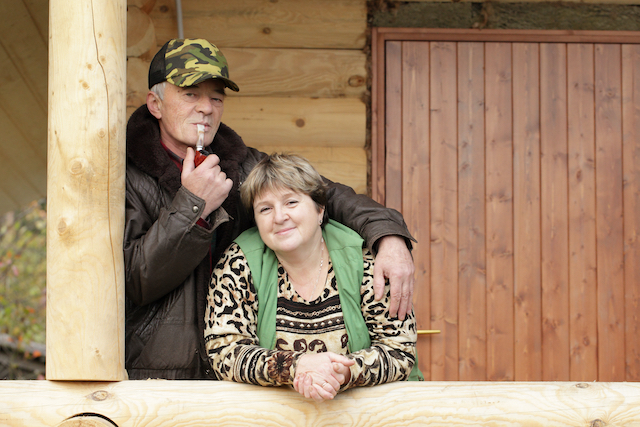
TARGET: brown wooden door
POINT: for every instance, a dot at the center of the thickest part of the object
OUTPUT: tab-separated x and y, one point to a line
515	160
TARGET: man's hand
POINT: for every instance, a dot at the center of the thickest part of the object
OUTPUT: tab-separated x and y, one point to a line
206	181
394	262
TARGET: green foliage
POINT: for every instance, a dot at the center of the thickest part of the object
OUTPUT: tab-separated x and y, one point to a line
23	274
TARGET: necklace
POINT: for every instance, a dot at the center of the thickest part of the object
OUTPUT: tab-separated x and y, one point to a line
313	292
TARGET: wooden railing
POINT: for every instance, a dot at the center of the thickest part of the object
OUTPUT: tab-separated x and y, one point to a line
161	403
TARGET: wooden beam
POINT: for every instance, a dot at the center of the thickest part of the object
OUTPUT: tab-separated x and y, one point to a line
346	165
317	24
330	122
86	170
161	403
321	73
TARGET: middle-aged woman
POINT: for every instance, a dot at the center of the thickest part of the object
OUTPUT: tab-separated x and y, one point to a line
291	302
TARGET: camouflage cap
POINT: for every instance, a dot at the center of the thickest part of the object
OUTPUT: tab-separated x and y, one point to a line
187	62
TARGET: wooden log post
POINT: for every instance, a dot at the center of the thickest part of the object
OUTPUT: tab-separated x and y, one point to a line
85	203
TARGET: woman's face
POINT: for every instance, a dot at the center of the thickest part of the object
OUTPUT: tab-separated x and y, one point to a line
288	221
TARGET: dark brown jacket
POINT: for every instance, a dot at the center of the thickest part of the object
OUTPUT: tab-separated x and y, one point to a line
166	253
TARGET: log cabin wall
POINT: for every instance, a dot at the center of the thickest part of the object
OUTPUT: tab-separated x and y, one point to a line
300	66
514	159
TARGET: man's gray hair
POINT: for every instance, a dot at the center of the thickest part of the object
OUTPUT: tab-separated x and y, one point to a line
158	89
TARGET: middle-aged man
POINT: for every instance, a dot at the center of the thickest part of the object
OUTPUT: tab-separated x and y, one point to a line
180	218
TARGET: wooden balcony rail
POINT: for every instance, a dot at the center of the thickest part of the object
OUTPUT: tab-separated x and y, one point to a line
161	403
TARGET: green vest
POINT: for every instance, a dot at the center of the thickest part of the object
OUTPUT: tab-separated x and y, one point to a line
345	249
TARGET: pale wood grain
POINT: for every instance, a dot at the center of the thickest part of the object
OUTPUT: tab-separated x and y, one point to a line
346	165
329	122
161	403
141	34
307	73
333	24
85	212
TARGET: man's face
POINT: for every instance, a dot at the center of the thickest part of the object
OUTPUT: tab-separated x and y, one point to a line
183	108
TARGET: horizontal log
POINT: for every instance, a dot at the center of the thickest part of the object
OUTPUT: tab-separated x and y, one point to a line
161	403
331	122
307	73
320	24
347	165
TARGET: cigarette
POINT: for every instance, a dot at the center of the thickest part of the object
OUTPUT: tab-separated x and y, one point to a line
200	143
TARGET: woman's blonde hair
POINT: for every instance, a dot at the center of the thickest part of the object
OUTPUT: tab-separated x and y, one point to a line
284	171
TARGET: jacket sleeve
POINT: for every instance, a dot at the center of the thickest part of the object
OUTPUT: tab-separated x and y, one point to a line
160	253
362	214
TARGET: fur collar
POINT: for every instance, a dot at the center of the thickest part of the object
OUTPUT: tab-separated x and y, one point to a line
146	153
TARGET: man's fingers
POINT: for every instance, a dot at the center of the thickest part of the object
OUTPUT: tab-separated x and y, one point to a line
187	165
378	281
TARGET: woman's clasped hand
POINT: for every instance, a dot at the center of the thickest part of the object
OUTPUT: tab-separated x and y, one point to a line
319	376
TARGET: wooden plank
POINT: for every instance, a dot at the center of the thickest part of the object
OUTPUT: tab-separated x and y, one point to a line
19	186
86	177
524	36
554	212
23	102
347	165
499	212
526	176
23	116
472	336
331	122
39	13
306	73
631	194
416	183
378	111
611	353
393	134
583	334
318	24
439	404
444	209
27	49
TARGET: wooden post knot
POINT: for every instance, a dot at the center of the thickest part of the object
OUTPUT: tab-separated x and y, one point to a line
99	395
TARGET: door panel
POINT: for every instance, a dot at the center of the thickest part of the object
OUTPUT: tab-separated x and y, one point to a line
515	160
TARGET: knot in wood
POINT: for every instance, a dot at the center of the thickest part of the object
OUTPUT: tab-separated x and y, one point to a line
99	395
300	123
597	423
355	81
266	30
582	385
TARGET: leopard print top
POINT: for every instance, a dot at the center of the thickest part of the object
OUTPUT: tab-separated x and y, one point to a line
302	327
